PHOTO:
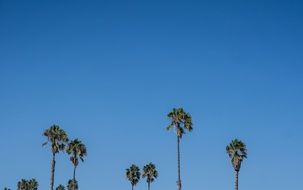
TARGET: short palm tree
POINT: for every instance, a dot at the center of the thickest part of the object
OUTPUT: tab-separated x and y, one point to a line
77	150
133	175
236	151
57	138
27	184
33	184
180	121
150	172
22	185
72	184
60	187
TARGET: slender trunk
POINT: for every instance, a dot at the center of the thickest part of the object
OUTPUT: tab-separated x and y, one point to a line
237	180
74	177
179	175
132	187
148	185
53	172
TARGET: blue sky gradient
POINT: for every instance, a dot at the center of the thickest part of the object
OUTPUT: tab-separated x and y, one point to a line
108	72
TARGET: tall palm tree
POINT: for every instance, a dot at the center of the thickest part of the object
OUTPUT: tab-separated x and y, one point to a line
60	187
133	175
150	172
180	121
236	151
57	138
76	149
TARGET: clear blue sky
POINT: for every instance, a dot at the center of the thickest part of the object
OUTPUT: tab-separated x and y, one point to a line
108	72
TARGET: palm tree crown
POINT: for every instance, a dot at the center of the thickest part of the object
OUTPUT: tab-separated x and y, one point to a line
76	149
150	172
237	151
60	187
57	137
27	184
133	174
22	185
180	120
72	184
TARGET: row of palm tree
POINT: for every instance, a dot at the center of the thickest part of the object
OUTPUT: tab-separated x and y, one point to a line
181	122
133	174
58	140
32	184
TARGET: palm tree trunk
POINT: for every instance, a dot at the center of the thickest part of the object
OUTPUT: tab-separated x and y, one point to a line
148	185
53	172
237	180
179	175
132	187
74	177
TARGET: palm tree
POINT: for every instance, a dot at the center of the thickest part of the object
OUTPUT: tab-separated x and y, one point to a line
33	184
180	121
5	188
76	149
57	138
22	185
150	172
60	187
133	175
27	184
72	184
236	151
